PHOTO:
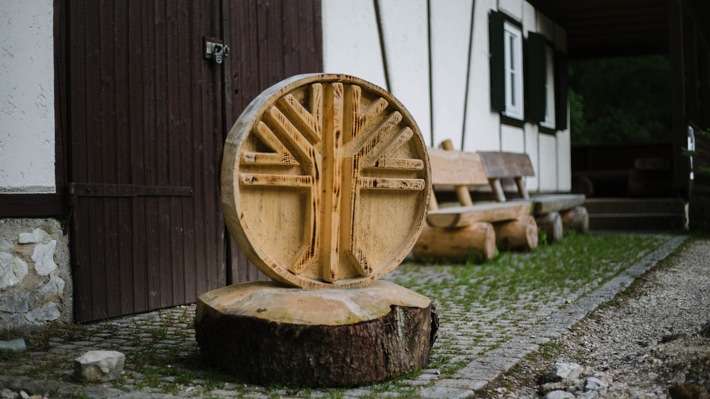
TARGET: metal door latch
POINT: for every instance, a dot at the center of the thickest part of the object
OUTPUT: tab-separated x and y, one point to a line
215	50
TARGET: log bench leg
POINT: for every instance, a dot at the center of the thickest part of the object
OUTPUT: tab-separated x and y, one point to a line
518	234
576	219
551	224
458	244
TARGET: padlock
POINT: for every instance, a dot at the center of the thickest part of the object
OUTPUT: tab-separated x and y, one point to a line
218	53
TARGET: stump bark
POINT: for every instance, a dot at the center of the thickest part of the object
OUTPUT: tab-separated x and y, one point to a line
265	333
459	244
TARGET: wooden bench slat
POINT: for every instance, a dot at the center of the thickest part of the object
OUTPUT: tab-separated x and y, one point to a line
547	203
456	168
506	165
465	215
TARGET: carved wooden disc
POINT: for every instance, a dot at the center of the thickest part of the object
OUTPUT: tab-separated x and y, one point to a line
325	181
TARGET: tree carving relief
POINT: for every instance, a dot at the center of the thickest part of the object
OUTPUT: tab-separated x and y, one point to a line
325	181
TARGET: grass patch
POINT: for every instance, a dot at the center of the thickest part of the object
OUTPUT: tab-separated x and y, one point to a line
578	263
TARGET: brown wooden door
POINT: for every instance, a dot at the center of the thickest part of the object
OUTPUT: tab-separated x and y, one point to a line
147	116
270	41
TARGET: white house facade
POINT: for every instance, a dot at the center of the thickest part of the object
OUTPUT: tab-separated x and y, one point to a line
436	56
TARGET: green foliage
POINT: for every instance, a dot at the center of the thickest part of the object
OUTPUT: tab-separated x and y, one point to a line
620	100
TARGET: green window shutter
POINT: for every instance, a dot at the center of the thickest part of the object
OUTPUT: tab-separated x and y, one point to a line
561	87
497	60
535	77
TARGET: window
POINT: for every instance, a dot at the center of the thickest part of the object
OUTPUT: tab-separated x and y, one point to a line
513	43
549	120
506	67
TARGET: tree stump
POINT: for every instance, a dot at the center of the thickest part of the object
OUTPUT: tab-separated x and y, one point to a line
458	244
267	333
519	234
551	224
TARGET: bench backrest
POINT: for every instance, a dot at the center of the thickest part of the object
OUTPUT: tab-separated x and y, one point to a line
506	165
456	168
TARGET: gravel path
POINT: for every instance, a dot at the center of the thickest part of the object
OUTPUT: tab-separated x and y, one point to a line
653	341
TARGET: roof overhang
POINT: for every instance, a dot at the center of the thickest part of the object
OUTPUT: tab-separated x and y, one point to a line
606	28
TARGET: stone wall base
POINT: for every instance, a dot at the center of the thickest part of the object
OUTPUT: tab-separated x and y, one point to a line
35	275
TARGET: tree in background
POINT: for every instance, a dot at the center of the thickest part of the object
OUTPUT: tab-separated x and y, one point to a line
620	100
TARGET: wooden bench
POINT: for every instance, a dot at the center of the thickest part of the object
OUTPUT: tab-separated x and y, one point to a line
553	212
457	232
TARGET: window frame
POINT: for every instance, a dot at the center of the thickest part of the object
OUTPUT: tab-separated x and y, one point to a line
513	71
549	120
500	100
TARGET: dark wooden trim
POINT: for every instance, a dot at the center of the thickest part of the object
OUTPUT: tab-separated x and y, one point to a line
679	125
33	205
468	77
561	89
506	120
534	50
383	49
127	190
61	94
497	60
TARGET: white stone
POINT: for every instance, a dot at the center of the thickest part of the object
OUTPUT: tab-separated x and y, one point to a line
559	395
5	244
17	302
48	312
566	371
55	286
43	258
594	384
15	345
35	237
12	270
99	365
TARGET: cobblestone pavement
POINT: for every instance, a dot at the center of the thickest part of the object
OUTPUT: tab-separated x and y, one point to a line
476	344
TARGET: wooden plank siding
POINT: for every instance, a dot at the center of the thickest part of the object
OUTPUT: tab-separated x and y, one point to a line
142	115
276	39
147	116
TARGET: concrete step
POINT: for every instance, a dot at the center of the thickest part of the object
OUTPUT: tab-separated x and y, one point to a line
673	206
636	221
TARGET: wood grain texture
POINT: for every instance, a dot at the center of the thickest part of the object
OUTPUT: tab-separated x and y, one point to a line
325	181
519	234
503	165
576	219
465	215
269	334
458	244
455	168
551	224
556	202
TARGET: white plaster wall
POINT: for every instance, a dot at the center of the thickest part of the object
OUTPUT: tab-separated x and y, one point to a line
450	27
547	164
404	26
512	139
26	97
514	8
351	45
482	125
351	42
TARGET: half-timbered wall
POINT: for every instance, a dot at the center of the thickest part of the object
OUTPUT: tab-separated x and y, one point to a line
27	105
434	56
